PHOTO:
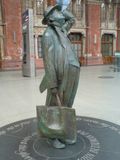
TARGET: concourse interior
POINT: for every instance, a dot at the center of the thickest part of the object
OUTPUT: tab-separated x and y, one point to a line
97	95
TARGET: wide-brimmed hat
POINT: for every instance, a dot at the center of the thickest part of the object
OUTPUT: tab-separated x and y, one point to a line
48	11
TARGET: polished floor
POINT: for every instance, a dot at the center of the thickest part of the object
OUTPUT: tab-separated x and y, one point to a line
98	95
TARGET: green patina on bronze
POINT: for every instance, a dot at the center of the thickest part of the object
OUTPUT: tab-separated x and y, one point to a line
62	70
57	122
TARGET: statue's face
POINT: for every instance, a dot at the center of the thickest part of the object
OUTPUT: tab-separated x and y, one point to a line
57	16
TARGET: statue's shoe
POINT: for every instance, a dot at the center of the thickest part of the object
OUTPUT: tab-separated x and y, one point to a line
70	141
56	143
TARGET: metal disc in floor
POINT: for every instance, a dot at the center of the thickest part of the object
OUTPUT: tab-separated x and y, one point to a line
97	140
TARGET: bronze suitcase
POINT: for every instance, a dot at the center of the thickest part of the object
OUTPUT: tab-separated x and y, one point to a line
57	122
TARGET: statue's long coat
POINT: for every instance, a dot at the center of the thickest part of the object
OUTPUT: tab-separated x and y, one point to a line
61	64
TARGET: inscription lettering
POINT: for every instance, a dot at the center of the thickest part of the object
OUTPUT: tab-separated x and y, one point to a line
88	156
114	129
94	148
23	149
3	132
94	145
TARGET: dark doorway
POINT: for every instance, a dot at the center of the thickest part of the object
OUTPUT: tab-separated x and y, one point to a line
107	48
77	42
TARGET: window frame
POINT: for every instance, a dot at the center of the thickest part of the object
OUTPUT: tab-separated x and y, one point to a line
105	13
77	9
40	9
39	48
28	4
106	43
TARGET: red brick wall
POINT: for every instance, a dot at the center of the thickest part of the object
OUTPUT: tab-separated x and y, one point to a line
93	31
13	28
118	31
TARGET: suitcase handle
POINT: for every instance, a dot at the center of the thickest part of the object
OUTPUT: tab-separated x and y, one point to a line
58	100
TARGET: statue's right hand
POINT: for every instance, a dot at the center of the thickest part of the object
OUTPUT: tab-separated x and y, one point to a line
54	91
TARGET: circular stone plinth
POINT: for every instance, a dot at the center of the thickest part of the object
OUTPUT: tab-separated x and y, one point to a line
97	140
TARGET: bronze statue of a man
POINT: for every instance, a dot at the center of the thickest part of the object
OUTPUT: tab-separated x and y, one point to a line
61	63
60	60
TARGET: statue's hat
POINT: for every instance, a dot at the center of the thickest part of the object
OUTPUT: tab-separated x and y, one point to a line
48	11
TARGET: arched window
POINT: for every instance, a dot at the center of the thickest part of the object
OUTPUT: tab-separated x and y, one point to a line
77	8
39	45
27	4
118	18
0	12
107	12
107	45
1	32
40	6
111	12
103	12
77	43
